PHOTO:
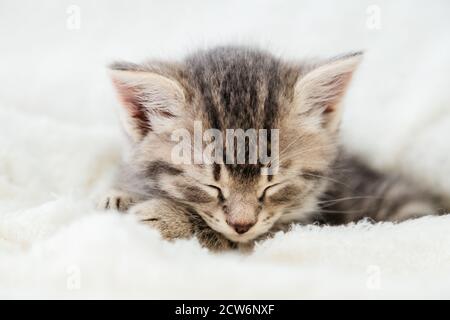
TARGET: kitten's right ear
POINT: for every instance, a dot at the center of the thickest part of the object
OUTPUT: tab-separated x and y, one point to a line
321	90
151	101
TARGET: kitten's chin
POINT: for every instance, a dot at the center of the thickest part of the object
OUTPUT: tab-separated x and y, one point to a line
245	237
240	238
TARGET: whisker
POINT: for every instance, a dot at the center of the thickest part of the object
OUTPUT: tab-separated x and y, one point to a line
290	144
329	203
341	212
302	151
326	178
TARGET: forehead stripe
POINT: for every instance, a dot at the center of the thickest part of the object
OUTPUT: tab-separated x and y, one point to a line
216	171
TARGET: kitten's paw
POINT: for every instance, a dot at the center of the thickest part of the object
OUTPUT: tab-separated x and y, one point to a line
176	222
172	222
146	211
116	200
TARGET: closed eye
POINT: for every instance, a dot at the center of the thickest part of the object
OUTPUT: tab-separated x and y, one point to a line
219	192
263	195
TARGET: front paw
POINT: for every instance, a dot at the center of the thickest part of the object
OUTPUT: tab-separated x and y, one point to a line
171	221
175	221
116	200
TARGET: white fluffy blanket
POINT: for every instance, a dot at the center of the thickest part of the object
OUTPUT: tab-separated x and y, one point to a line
60	144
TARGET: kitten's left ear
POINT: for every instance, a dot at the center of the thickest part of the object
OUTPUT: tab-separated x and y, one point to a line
321	90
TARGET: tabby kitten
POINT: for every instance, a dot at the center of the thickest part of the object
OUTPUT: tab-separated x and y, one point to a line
232	205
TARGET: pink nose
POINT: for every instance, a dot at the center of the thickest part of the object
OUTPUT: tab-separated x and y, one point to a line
241	227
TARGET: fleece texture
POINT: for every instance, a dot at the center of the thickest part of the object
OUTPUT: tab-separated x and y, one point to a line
60	144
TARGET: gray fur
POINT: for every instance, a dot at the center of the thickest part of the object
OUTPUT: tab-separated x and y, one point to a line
230	206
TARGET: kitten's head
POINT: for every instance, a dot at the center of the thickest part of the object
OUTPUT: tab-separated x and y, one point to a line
234	88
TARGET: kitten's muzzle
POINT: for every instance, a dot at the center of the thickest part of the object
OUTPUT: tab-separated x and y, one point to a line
241	214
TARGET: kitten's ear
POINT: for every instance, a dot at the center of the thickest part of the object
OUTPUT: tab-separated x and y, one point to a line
151	101
321	90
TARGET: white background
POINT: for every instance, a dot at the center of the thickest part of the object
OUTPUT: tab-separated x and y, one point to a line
60	143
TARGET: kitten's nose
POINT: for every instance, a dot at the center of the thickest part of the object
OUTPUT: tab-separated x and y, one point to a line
241	227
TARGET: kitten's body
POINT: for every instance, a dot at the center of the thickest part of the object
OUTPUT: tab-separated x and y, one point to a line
356	192
226	205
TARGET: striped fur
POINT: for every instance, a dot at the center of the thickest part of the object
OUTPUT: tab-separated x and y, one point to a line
232	205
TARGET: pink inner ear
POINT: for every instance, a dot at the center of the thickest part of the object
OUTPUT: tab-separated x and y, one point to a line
132	101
